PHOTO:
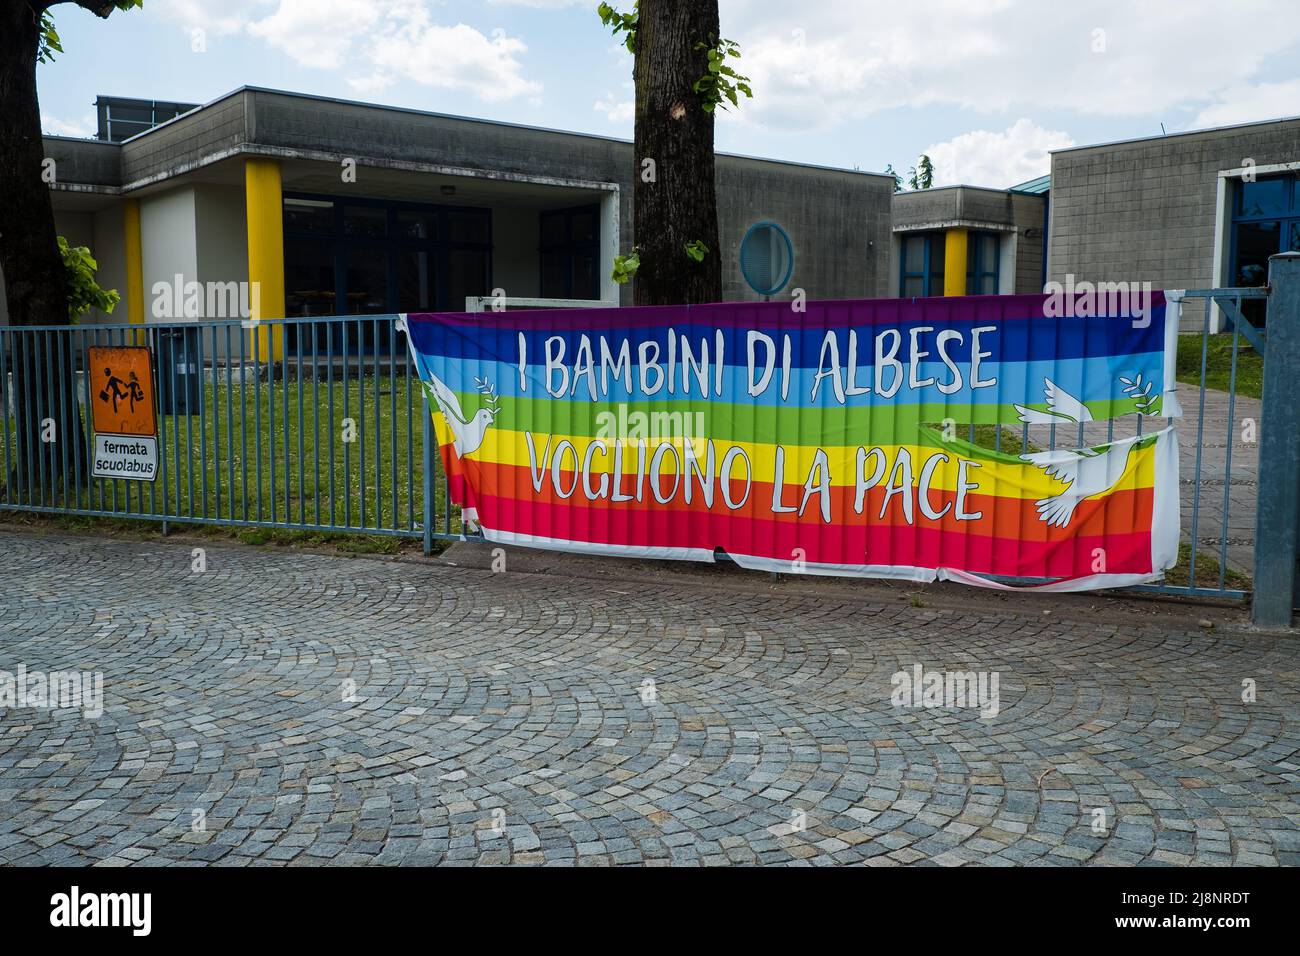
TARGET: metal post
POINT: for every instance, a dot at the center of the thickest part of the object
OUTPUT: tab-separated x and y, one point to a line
1278	514
428	470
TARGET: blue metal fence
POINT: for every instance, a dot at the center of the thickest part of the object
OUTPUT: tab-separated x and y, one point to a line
329	436
333	433
1212	460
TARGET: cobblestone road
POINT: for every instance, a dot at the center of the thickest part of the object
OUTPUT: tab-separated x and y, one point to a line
510	718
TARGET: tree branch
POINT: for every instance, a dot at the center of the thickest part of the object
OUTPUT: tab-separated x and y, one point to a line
100	8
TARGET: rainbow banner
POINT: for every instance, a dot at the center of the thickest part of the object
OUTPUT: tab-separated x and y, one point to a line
832	440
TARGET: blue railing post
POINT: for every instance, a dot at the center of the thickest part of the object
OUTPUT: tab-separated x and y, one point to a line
427	454
1278	513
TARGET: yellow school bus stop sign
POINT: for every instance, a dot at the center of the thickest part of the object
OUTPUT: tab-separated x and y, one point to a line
122	412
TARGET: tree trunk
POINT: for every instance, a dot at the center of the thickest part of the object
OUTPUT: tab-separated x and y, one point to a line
40	373
675	201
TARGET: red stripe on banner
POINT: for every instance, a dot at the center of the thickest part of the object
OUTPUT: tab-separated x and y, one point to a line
1068	555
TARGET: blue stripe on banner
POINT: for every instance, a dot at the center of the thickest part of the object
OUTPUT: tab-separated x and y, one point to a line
1089	380
1016	340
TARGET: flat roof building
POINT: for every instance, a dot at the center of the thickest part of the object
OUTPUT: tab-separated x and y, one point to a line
336	207
969	240
1183	211
332	207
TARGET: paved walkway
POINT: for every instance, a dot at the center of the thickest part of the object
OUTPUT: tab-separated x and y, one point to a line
539	719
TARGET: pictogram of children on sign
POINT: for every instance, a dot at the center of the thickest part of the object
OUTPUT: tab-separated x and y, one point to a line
117	390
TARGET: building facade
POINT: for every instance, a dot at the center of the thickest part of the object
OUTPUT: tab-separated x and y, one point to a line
969	240
329	207
1184	211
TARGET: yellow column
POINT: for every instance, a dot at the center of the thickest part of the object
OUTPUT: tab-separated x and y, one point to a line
262	194
954	262
134	257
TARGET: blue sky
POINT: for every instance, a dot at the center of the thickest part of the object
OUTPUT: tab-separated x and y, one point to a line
985	86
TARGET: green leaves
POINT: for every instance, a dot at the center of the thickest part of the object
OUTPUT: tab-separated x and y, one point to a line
921	176
721	84
621	23
84	292
625	266
49	42
696	249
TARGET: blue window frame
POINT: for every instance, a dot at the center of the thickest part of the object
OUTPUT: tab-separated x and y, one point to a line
568	253
346	256
982	262
921	264
1265	221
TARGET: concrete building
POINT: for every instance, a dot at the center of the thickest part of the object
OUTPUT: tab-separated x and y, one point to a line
329	207
334	207
1184	211
969	240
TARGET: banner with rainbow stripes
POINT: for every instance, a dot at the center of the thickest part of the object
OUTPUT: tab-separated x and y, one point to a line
835	439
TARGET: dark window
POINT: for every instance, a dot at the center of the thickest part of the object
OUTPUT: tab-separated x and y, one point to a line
1256	241
467	275
366	281
569	252
370	222
1266	221
467	226
313	216
365	257
122	117
982	254
922	264
309	277
416	225
1264	197
417	274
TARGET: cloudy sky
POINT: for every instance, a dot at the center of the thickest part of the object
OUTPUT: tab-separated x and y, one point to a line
986	87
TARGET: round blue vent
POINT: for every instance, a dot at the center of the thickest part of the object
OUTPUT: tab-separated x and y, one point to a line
766	258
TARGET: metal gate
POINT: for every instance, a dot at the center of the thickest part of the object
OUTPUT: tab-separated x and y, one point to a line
320	425
314	425
1218	438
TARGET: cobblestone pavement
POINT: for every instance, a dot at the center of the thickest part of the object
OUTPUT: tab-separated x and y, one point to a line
512	718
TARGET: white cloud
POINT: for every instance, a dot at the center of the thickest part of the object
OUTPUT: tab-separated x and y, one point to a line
223	19
53	126
317	33
547	4
616	110
987	158
816	65
1247	103
410	44
374	42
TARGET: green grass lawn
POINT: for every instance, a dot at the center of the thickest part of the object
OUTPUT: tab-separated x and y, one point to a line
1207	570
352	458
1218	364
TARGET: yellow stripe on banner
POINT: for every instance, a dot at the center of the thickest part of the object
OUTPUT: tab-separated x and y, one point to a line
1005	479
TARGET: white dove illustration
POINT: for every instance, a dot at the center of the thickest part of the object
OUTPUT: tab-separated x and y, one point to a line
1086	472
1062	407
468	432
